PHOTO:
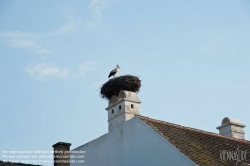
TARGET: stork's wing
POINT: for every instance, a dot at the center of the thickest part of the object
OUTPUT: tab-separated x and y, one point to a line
112	72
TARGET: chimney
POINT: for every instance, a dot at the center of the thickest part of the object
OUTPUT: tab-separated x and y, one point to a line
232	128
122	108
61	154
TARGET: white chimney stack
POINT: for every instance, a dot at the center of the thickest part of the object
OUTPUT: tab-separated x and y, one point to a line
232	128
122	108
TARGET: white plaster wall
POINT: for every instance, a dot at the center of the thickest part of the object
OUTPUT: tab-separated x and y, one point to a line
103	151
132	144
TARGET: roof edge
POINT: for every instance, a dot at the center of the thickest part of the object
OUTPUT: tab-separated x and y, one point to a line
144	118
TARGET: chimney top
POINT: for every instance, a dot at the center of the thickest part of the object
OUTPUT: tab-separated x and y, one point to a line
61	143
232	127
61	154
122	108
124	95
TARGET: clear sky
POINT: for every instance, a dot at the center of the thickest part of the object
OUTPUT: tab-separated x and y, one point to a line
193	58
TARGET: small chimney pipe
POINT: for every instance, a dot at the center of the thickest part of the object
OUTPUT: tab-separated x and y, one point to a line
232	128
61	154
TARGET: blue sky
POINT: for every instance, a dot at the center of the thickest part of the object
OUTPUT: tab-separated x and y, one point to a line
193	58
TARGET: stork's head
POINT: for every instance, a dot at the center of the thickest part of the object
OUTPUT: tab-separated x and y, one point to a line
117	66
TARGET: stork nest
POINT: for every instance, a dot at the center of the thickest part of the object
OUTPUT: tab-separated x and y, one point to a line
115	85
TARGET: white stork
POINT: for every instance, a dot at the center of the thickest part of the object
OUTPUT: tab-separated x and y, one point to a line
113	72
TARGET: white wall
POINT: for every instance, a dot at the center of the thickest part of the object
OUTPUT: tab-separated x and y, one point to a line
133	144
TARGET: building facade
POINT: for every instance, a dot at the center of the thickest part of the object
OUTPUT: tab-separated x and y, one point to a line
135	140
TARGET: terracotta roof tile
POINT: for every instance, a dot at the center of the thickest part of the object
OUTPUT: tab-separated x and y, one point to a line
202	147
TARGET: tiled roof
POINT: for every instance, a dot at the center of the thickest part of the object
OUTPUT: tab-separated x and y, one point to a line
202	147
2	163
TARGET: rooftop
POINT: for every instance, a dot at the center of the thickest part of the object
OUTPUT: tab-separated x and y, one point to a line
201	147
